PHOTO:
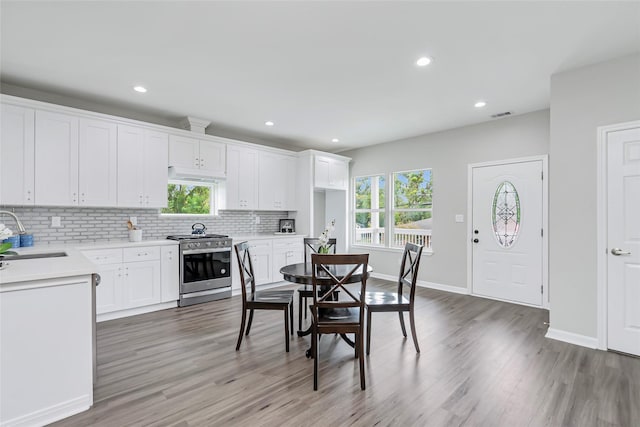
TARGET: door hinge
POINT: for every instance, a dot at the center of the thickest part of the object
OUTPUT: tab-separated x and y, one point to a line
541	289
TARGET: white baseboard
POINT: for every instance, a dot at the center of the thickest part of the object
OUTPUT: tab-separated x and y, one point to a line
423	284
52	413
133	311
571	338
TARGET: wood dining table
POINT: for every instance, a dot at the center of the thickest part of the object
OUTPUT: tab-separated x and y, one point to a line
303	273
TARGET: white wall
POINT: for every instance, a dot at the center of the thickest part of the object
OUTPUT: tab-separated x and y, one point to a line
448	153
581	100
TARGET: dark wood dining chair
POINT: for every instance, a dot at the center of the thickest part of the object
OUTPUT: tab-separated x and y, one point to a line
338	316
397	301
311	246
260	300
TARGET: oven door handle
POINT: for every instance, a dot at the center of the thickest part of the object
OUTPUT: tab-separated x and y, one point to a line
205	251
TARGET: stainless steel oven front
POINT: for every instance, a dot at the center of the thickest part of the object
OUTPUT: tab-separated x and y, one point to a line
205	271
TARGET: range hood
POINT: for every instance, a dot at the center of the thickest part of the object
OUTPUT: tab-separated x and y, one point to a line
192	175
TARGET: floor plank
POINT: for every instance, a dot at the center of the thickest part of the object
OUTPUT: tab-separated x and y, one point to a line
483	363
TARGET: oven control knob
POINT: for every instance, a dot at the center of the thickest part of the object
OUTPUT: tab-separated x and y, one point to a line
197	244
208	243
222	271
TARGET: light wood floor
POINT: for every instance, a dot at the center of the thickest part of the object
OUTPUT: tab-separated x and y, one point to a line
483	363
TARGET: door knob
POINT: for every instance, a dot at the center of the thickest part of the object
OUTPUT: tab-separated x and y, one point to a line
618	252
475	240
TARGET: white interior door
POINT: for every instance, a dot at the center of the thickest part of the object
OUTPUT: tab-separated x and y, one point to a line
623	240
507	238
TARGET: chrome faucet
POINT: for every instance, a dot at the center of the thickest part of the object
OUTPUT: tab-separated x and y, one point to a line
21	229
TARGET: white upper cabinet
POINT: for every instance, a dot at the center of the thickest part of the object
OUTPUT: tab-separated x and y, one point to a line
56	159
142	167
97	167
276	185
331	173
17	145
242	175
198	157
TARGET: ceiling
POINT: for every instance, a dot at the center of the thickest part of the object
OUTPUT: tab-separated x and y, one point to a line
319	70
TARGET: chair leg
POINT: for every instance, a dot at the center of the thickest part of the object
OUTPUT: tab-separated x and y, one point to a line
305	308
361	359
286	329
300	307
404	331
314	349
355	347
368	331
291	317
250	320
244	318
412	322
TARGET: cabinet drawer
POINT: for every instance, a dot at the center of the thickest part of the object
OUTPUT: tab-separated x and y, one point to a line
293	243
145	253
104	256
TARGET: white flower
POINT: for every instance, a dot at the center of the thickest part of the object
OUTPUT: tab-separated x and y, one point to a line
5	232
324	236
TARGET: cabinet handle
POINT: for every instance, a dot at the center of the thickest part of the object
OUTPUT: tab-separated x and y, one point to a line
28	194
201	163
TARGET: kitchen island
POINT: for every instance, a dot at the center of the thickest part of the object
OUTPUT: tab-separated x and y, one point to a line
46	318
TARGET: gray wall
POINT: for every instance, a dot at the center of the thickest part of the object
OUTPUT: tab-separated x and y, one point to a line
581	100
448	153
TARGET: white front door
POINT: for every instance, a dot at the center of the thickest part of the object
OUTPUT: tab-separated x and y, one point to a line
623	240
507	209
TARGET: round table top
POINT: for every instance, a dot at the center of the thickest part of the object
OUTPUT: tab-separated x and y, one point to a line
302	273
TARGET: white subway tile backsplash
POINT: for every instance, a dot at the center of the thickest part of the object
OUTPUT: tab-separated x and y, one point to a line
100	224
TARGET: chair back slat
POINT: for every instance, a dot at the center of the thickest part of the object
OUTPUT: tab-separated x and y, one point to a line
312	245
409	269
338	270
247	278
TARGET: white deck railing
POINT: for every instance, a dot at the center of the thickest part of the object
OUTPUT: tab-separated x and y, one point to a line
376	236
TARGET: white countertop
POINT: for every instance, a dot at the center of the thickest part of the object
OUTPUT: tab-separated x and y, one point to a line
27	270
74	264
258	236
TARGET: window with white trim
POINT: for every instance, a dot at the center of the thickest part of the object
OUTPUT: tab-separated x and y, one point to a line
191	198
369	212
406	217
412	208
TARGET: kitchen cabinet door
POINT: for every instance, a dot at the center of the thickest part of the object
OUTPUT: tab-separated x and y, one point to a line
130	166
109	295
155	167
184	152
56	154
141	283
17	155
285	252
170	273
242	165
331	173
97	163
290	168
213	158
262	260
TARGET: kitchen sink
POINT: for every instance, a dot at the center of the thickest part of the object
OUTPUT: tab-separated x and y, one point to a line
34	256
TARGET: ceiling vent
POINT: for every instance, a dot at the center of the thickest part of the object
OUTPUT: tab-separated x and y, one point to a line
497	116
194	125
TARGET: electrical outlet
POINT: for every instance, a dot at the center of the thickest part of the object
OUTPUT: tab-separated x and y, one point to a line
55	221
257	219
459	218
134	220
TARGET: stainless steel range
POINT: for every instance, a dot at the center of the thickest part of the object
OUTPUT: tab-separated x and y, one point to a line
205	267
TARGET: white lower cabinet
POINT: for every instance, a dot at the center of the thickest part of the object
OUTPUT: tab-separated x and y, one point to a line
268	256
285	252
133	279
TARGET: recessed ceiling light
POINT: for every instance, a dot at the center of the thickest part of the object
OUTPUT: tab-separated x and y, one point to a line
335	140
269	123
140	89
479	104
423	62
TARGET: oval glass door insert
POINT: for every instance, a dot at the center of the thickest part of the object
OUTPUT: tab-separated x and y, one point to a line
505	214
